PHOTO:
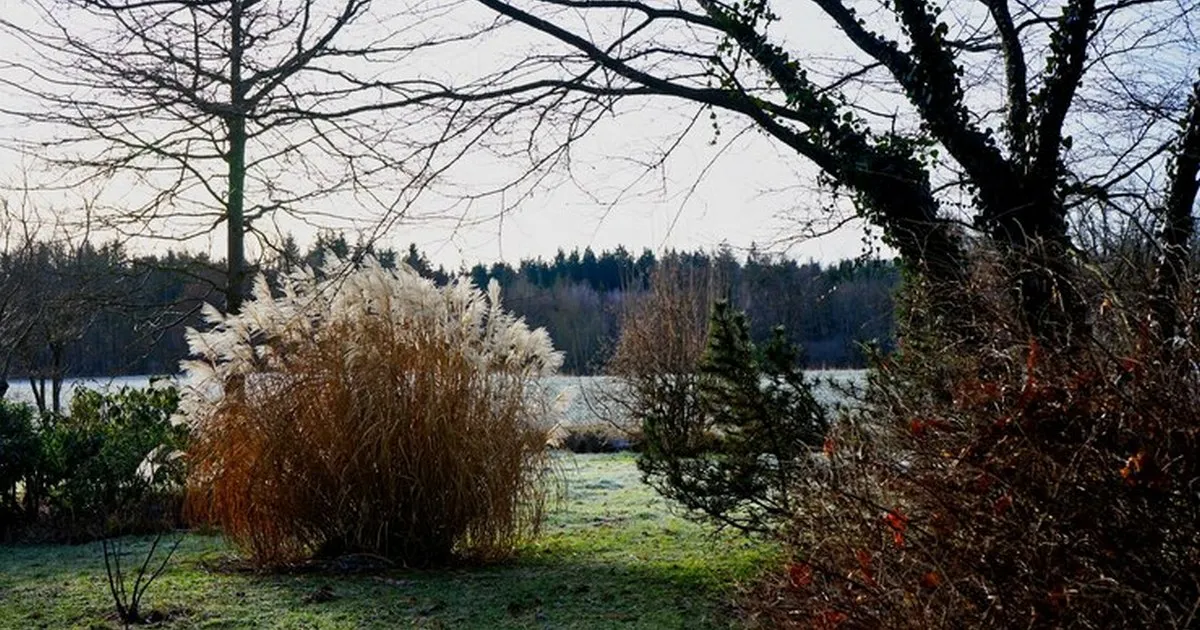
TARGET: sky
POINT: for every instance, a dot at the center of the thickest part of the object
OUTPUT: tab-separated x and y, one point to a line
741	194
734	189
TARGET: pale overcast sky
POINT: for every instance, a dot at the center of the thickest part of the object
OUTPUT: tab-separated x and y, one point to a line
740	189
736	188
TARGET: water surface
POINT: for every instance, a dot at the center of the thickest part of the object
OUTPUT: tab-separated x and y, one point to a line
580	399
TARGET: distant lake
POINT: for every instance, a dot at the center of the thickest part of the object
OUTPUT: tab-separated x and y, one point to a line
19	390
577	395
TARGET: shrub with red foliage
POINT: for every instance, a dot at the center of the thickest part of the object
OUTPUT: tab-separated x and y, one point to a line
1005	484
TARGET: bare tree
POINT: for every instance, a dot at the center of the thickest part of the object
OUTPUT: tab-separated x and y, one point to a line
77	282
226	111
948	123
18	309
1179	224
55	284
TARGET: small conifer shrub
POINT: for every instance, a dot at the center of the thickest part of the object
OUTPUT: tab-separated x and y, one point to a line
749	445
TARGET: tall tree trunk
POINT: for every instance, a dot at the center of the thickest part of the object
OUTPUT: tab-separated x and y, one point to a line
1052	305
896	195
235	121
1178	223
1030	227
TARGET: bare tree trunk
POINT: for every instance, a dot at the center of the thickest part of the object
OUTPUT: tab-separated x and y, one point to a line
1030	228
235	284
1051	302
56	376
235	203
38	385
1179	225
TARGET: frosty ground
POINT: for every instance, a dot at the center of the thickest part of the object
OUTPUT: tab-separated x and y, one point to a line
613	554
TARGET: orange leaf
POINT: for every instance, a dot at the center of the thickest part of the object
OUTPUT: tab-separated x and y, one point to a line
1029	391
829	447
800	574
830	619
899	523
916	426
1031	359
864	564
1142	468
930	580
1133	466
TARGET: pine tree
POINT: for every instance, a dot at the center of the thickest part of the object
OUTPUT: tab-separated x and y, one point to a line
744	453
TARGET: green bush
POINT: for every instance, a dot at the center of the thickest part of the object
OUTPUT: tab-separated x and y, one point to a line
748	445
20	455
108	464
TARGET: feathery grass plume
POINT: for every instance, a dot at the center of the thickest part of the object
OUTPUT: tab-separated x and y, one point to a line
371	411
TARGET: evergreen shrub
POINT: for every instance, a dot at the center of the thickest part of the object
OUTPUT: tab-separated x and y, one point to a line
750	443
112	465
20	456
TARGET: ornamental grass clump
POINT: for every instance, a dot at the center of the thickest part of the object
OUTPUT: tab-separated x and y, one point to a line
369	412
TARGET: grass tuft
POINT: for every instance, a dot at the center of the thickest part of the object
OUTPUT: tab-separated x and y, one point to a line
407	424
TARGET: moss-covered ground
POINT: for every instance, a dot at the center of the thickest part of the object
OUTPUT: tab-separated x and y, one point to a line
613	555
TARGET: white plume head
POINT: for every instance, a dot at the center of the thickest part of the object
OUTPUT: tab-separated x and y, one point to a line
249	344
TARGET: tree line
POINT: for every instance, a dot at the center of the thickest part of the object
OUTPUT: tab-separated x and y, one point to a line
87	309
828	310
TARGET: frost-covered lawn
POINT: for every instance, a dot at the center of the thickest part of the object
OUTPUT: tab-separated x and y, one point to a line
612	555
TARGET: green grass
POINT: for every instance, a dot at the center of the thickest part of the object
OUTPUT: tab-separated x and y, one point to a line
612	555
